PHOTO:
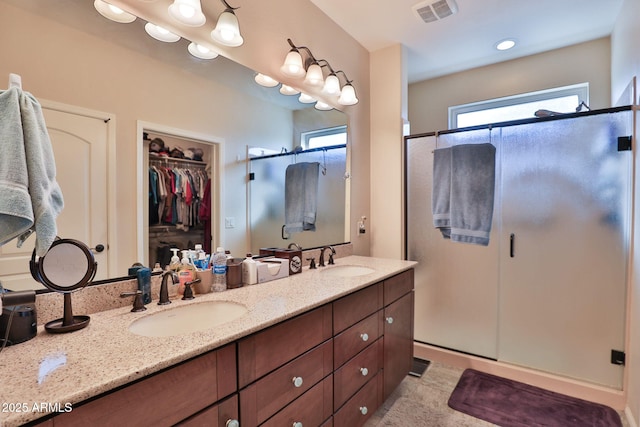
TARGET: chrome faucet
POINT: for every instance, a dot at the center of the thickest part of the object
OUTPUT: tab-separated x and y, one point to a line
321	261
294	245
164	287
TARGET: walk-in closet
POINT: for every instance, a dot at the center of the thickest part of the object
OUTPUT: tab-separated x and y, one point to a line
179	202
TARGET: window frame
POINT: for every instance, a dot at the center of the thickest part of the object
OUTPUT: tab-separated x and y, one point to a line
306	136
579	89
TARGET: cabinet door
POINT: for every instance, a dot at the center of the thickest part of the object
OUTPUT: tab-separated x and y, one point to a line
566	198
398	342
310	409
220	415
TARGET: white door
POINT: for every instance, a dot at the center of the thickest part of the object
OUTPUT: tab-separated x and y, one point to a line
80	149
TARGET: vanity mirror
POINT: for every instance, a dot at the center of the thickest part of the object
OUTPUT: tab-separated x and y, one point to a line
270	123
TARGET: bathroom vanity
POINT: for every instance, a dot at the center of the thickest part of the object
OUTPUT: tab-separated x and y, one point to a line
319	348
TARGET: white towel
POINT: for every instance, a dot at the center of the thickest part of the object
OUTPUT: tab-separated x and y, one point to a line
26	149
301	197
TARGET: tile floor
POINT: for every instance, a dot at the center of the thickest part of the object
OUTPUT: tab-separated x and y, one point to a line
422	402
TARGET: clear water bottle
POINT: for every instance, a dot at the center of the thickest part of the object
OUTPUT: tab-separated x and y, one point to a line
219	267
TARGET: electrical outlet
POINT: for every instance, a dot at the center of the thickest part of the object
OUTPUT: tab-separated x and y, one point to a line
230	222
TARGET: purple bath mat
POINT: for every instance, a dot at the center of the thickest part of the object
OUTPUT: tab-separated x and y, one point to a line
510	403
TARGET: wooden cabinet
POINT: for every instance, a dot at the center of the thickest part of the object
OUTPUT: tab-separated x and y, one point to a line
167	397
331	366
398	329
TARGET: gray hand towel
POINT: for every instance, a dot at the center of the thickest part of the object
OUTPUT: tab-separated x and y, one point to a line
471	184
441	194
301	197
30	197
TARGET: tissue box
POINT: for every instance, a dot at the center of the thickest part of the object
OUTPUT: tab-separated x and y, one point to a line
272	268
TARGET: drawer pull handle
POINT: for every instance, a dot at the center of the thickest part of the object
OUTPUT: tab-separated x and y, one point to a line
297	424
363	410
365	337
390	320
364	372
232	423
297	381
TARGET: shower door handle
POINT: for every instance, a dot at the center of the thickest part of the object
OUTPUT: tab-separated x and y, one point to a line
512	240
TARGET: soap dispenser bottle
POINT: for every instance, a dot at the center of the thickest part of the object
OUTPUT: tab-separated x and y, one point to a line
175	261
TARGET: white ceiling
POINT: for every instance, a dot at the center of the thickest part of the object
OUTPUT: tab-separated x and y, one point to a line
467	39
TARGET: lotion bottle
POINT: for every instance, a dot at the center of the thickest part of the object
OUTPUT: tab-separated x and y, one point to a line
249	271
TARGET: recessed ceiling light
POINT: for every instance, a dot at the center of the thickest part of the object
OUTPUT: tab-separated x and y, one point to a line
505	44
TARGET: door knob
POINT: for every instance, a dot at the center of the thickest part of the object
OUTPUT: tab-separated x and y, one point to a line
99	248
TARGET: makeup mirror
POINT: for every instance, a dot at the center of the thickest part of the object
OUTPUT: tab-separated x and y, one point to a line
67	266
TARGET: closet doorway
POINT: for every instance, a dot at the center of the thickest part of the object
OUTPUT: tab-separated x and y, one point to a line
179	188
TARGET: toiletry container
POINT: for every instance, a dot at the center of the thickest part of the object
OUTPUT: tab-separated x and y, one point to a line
234	272
144	283
187	273
249	271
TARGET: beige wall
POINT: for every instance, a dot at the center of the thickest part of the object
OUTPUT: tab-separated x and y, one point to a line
625	66
586	62
58	63
388	106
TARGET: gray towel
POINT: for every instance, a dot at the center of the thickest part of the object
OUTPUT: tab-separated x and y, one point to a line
441	196
30	197
471	184
301	197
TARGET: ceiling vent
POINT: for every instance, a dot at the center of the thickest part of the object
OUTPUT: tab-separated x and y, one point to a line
430	11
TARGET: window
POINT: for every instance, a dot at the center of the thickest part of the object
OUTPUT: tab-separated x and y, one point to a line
324	137
565	99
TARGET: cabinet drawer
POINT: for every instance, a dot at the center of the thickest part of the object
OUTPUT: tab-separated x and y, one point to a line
310	409
164	398
355	307
398	285
356	372
268	395
265	351
361	406
353	340
218	415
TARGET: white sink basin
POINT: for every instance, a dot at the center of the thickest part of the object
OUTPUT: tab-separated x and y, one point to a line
187	318
347	271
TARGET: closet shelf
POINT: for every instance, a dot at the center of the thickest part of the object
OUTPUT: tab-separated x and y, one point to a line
160	160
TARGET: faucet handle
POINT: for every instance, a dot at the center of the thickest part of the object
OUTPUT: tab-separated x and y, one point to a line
312	264
138	303
331	259
188	292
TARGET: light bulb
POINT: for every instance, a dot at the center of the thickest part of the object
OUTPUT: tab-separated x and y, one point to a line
331	85
292	66
306	99
323	106
187	12
227	30
160	33
112	12
288	90
201	52
314	76
348	95
266	81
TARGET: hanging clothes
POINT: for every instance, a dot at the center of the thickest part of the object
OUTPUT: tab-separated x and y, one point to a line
175	195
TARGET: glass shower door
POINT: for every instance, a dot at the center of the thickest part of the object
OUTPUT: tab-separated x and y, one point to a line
565	222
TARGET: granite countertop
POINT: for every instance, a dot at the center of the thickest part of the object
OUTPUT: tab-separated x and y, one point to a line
52	372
